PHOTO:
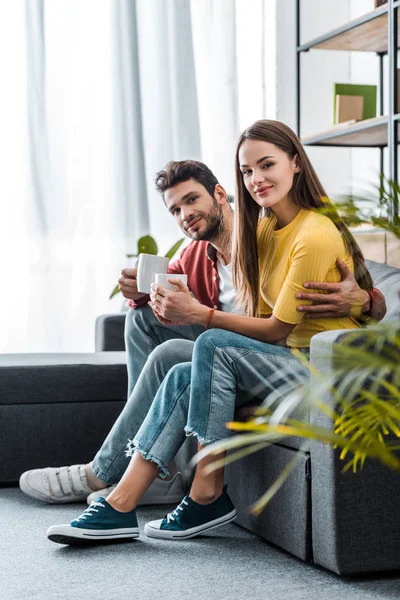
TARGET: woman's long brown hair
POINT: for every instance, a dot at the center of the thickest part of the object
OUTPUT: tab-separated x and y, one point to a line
307	192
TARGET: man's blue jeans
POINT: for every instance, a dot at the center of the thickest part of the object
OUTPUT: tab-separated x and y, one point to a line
152	350
199	397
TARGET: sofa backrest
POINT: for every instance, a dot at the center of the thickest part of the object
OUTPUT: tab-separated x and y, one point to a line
387	280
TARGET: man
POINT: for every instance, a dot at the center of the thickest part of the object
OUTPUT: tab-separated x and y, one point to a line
199	205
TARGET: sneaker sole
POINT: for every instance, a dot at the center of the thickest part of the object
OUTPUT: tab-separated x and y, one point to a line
189	533
62	534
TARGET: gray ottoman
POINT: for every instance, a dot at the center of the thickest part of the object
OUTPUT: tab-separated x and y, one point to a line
56	409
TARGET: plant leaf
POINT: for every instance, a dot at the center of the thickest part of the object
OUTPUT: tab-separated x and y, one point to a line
217	464
115	291
236	441
147	245
259	506
174	248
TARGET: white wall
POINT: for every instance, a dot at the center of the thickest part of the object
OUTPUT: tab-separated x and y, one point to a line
338	168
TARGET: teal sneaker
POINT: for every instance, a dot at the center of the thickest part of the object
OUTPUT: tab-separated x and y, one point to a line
100	521
190	519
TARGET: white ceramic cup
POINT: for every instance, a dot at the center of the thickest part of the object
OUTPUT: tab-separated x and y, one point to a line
148	266
162	279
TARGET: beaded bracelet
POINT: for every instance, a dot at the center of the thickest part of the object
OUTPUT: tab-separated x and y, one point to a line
210	314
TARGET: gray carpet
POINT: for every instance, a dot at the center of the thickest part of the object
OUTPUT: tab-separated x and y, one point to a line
227	564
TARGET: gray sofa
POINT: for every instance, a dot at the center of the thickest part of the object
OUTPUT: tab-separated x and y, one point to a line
58	408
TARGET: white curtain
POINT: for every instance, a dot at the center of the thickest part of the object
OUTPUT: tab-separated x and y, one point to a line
100	95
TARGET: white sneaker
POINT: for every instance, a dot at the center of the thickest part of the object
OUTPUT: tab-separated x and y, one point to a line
56	485
160	492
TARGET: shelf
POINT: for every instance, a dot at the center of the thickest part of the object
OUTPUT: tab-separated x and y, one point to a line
371	133
367	33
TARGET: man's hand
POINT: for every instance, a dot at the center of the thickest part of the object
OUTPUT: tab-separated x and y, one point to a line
342	299
128	285
176	307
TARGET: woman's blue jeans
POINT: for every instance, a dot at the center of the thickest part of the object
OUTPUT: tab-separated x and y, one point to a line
199	397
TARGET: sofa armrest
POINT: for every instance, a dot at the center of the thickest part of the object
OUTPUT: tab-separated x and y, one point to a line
322	347
109	333
355	527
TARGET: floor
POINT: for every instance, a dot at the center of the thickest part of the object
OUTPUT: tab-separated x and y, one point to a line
229	563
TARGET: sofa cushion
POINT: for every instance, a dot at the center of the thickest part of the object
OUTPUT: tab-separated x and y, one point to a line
56	378
387	280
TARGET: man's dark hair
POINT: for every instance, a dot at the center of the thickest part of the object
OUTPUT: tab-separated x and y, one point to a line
178	171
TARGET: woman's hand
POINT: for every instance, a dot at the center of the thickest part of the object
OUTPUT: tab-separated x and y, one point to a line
177	307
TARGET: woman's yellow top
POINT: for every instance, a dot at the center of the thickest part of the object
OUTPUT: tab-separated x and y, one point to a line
304	250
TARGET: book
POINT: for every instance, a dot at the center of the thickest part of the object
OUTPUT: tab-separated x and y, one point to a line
349	108
368	92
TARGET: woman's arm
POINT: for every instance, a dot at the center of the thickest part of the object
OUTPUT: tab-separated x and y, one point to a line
180	308
270	330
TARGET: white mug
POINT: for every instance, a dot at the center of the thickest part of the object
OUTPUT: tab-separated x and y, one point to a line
162	279
148	266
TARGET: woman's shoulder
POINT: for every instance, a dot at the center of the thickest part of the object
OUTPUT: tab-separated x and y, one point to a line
319	232
316	224
316	219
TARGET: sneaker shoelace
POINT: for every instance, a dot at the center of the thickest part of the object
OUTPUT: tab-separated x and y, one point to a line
171	516
88	512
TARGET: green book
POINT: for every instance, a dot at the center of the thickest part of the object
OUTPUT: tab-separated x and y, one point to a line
351	89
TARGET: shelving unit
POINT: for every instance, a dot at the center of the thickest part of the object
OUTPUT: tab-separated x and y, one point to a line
367	33
377	31
370	133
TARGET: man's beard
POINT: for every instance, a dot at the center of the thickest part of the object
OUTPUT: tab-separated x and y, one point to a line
215	225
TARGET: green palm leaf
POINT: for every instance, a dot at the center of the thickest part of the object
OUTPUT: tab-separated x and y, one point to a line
259	506
218	464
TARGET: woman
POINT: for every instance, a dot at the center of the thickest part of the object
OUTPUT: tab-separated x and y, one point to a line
243	355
